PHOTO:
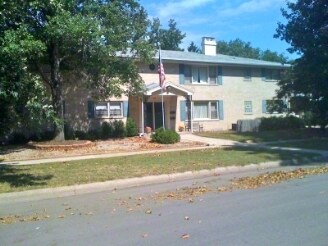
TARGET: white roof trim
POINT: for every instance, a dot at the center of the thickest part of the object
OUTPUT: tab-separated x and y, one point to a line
154	88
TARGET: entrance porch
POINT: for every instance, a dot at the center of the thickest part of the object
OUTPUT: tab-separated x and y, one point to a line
157	108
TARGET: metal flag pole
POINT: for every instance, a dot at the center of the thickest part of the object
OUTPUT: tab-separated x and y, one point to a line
161	84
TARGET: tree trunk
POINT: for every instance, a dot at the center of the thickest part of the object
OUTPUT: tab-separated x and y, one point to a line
57	95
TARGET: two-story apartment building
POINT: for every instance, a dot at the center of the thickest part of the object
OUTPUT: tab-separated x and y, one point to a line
212	89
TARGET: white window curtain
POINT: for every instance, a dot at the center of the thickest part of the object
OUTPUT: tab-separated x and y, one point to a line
214	110
202	74
201	110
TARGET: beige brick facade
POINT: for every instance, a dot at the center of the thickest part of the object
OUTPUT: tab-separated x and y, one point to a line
233	92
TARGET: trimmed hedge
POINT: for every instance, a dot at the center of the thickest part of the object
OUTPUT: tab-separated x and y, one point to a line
165	136
131	128
281	123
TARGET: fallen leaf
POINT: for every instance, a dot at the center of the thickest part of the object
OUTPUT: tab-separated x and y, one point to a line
222	189
185	236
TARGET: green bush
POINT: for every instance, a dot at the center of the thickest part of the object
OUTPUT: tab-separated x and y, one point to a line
45	135
93	134
69	132
18	138
281	123
165	136
131	128
118	129
106	130
81	135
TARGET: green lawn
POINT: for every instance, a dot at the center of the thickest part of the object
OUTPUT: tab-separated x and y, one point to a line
269	136
18	178
318	144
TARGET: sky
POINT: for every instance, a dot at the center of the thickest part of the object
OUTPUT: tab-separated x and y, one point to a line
253	21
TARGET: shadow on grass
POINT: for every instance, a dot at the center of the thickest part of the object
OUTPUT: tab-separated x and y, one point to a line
8	149
267	136
18	177
285	157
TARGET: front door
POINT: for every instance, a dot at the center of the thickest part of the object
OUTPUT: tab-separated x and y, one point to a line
153	115
158	115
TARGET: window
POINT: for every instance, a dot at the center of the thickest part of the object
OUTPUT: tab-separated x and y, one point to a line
115	109
248	107
247	74
108	109
200	74
213	75
201	110
274	106
271	74
101	110
206	110
214	110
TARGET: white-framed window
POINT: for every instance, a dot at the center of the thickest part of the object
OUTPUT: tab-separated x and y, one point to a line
206	110
115	109
272	74
248	107
201	110
200	74
247	74
276	106
108	109
101	109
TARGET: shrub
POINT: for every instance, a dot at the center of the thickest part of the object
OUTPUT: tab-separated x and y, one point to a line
18	138
45	135
165	136
281	123
81	135
69	132
93	134
131	128
118	129
106	130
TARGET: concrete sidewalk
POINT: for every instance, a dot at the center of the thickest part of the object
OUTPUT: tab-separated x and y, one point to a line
209	141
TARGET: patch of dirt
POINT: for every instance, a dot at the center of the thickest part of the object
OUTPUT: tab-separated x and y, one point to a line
14	153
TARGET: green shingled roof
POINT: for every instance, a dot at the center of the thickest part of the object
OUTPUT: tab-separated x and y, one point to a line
191	57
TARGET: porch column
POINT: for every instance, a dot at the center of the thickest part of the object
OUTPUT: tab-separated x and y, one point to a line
142	117
189	111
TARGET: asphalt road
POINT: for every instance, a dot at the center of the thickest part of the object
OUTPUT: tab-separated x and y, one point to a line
190	212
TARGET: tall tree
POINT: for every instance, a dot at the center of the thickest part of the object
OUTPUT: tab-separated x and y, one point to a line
237	47
241	48
306	31
193	48
82	37
169	39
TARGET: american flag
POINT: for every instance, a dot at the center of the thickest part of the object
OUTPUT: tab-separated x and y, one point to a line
161	73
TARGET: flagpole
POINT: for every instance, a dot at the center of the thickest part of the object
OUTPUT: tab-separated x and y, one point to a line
161	85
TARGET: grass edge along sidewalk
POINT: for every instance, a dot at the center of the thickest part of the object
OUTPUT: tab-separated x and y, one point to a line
51	175
268	136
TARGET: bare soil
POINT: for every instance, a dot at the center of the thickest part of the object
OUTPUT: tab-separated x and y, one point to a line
26	152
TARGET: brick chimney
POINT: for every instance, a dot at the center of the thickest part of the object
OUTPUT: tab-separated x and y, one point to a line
209	46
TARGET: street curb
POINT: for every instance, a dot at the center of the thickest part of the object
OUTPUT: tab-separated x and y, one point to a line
41	194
